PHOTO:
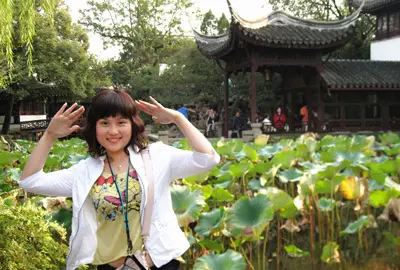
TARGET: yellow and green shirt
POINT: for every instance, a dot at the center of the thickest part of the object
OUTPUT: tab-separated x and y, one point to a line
112	242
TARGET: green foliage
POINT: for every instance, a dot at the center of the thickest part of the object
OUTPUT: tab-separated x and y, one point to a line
28	240
143	29
212	25
23	12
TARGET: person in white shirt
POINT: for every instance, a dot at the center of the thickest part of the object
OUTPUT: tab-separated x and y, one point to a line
109	188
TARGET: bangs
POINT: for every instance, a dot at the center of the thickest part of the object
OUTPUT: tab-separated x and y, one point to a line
112	104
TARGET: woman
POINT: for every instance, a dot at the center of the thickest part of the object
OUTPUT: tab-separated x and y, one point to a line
110	186
211	118
279	119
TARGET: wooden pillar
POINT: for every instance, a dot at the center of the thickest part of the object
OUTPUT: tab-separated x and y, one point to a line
226	99
320	105
253	98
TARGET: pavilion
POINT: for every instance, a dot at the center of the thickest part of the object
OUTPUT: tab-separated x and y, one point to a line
299	50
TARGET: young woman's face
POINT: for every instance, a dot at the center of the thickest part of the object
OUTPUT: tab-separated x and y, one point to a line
114	133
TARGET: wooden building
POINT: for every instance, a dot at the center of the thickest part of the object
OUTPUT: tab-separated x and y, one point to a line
346	95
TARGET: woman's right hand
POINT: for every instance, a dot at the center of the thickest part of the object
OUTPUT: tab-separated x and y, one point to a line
61	123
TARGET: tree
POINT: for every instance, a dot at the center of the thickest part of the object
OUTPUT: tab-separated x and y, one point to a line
18	22
358	47
212	25
222	24
60	60
143	29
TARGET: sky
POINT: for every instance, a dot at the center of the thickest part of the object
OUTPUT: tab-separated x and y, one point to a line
248	9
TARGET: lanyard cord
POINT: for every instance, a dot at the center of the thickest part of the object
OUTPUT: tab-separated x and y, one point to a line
124	209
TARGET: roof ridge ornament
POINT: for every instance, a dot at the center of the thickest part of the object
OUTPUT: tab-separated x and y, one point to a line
283	18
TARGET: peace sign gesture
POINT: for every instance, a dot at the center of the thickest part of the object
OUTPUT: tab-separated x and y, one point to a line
159	113
61	123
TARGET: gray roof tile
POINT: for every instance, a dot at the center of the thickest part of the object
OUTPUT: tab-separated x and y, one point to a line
361	74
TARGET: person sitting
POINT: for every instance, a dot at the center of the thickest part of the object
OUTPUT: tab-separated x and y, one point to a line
237	125
279	119
266	126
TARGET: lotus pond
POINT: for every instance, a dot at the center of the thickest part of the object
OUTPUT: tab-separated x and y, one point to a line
305	203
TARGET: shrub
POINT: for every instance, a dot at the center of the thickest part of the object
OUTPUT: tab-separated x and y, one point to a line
28	240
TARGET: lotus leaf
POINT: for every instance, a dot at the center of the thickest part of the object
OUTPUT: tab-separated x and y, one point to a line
295	252
350	158
196	179
208	222
379	198
328	186
285	158
7	159
262	167
357	225
282	202
186	204
326	205
330	253
207	191
254	184
222	195
251	154
389	138
261	140
254	213
393	151
269	151
230	260
290	175
213	245
239	169
362	143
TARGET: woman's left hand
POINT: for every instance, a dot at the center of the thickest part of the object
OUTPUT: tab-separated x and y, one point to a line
159	113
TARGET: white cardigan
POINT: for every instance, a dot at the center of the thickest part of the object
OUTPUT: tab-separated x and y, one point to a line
166	240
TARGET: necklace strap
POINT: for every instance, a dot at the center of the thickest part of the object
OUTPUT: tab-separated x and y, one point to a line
125	208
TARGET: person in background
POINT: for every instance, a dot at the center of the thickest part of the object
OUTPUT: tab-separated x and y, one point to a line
304	118
110	188
211	118
238	124
185	111
279	119
266	126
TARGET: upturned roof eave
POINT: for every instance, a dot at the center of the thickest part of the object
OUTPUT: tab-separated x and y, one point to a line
373	6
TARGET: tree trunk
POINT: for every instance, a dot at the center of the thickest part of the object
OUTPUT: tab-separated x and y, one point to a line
7	117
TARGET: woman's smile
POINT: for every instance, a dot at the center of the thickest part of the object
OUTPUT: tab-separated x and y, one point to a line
114	140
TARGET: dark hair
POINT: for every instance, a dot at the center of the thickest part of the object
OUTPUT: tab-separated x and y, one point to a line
112	103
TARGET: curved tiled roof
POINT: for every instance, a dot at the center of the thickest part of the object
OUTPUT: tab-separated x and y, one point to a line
373	5
278	30
343	74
